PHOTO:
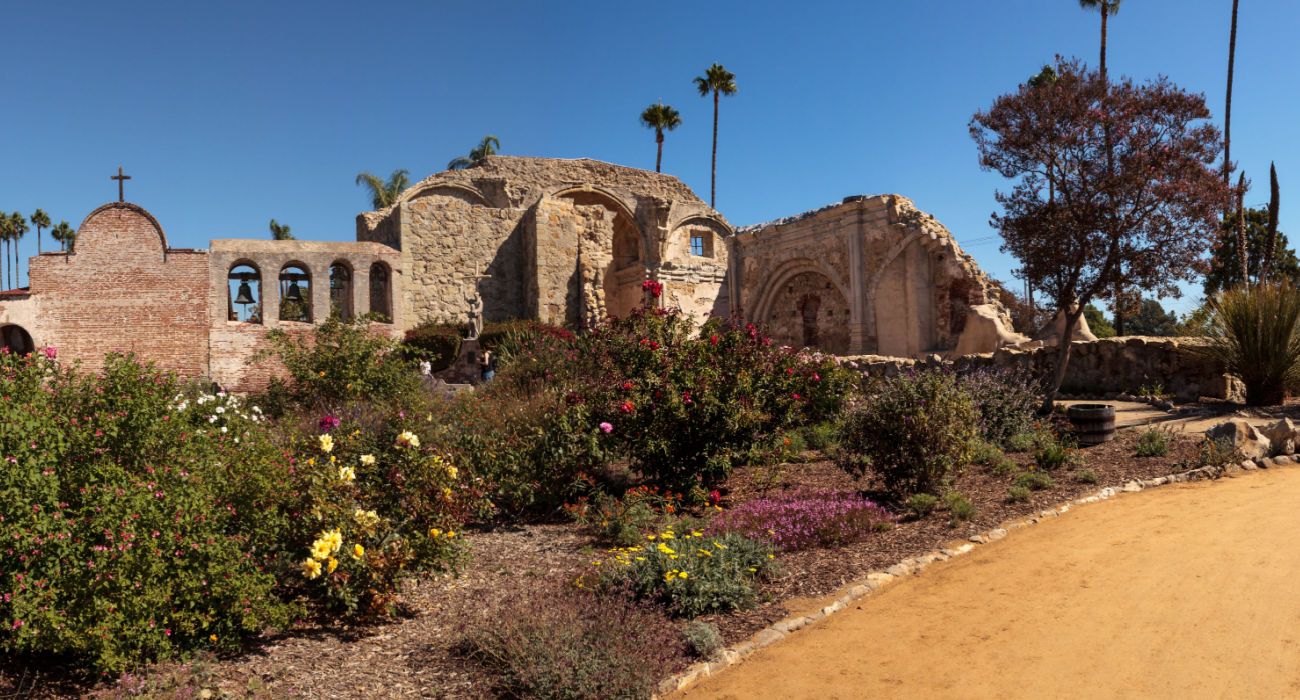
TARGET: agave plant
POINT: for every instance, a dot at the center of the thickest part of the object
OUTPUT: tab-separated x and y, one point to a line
1255	332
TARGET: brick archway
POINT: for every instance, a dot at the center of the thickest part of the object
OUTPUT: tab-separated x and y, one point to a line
16	339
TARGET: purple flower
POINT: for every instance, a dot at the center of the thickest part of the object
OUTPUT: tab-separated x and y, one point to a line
328	423
606	427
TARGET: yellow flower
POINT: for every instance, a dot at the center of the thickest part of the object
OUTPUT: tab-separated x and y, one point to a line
326	443
333	538
366	518
358	551
368	460
669	576
665	549
321	373
320	549
408	439
719	545
650	537
332	459
435	532
333	564
311	568
213	637
696	533
771	556
681	574
452	472
667	535
706	553
451	533
347	474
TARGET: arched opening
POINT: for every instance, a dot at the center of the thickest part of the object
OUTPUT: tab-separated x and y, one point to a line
381	298
17	340
620	281
341	291
295	294
244	293
808	310
904	304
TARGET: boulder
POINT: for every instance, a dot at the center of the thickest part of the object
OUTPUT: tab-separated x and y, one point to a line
1052	332
1283	435
1244	437
986	330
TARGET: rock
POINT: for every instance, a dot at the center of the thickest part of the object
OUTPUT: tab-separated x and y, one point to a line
1283	434
1132	487
899	570
986	331
1052	332
1284	460
1249	465
768	636
1243	437
997	534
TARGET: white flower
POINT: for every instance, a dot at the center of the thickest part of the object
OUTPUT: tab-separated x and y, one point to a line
212	418
327	443
368	460
223	430
221	409
347	474
408	439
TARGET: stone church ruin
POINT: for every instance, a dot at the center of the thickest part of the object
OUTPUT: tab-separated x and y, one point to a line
564	241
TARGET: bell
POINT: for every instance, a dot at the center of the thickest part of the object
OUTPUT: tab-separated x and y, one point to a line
294	293
245	294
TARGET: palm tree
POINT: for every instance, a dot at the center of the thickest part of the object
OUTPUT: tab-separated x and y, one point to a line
661	118
280	232
40	220
18	228
719	81
477	155
64	234
384	194
1227	106
1108	8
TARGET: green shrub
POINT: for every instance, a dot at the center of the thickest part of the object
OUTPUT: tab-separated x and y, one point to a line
1254	332
959	507
1018	494
624	521
985	453
1218	453
821	436
1035	481
915	431
702	638
436	343
134	529
1004	467
690	574
1153	443
1005	400
921	505
1053	455
575	645
1087	476
1021	442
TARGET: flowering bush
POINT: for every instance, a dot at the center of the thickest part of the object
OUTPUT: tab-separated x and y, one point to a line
690	574
1005	400
624	521
576	645
373	507
803	520
134	524
913	430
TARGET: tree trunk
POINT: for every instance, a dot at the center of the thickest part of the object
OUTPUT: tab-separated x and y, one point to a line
713	181
1062	360
659	155
1105	13
1119	301
38	250
1227	108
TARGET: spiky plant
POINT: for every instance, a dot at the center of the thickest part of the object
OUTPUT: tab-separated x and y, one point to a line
1255	332
40	220
1242	250
477	155
384	194
719	81
280	232
1274	202
64	234
661	118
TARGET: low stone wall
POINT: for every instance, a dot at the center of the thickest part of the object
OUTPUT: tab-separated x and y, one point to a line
1110	366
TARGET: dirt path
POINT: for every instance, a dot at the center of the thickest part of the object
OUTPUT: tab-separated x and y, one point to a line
1189	591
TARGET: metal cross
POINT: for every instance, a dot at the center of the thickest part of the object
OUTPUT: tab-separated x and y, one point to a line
120	178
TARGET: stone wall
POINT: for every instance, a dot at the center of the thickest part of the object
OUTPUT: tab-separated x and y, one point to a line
1097	368
121	289
892	278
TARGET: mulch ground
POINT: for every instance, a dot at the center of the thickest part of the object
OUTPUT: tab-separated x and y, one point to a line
416	655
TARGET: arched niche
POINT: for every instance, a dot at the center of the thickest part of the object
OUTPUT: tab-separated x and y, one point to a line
244	293
16	339
295	293
381	292
341	290
808	310
903	301
620	279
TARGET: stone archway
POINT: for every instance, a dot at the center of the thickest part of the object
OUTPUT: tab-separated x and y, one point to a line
16	339
903	301
619	270
808	310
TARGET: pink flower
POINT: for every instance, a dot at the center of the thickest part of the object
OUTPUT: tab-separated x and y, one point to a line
628	407
18	623
606	427
51	352
328	423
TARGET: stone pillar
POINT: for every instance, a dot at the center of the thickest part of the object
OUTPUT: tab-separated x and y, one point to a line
858	289
733	282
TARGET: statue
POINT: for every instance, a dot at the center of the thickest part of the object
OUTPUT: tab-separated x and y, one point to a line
475	306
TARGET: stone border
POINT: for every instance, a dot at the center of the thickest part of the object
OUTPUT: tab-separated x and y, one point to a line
852	592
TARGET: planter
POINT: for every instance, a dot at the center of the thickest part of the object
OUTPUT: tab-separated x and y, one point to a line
1093	423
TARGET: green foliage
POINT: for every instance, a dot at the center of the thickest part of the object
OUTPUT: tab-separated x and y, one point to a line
438	344
1086	476
1018	494
573	645
821	436
1225	266
624	521
1097	322
914	431
1255	333
1153	443
341	364
1035	481
689	573
1152	319
985	453
921	505
1218	453
1005	401
1051	453
136	527
702	638
959	507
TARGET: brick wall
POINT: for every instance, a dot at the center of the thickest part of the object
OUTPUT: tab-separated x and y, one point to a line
122	290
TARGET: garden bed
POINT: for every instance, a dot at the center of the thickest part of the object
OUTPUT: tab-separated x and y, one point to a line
418	654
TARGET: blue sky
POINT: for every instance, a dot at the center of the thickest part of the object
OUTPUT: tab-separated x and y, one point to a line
228	114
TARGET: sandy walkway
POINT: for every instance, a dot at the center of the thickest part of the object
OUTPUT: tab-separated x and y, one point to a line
1187	591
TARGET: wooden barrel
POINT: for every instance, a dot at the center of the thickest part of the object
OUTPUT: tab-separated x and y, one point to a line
1093	423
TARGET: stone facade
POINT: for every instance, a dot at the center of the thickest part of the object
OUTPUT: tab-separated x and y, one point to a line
565	241
868	275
